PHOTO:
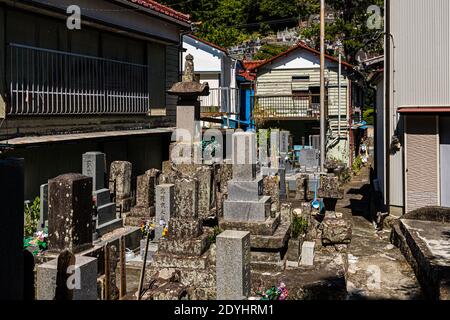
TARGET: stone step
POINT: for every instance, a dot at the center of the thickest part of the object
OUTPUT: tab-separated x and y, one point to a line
277	241
169	260
109	226
266	228
268	266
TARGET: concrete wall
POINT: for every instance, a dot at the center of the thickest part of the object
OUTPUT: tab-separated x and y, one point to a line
50	160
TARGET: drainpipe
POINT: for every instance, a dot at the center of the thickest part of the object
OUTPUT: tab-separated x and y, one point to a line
339	95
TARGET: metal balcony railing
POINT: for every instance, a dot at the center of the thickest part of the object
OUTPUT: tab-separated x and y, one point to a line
287	106
220	100
49	82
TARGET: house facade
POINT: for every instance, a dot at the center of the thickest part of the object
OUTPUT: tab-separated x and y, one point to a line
214	65
416	106
287	94
98	88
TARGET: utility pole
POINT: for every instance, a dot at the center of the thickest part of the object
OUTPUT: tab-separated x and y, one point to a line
322	87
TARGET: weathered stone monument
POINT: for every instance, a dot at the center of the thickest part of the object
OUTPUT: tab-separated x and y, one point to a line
186	248
70	210
246	209
120	184
11	229
233	265
94	166
145	198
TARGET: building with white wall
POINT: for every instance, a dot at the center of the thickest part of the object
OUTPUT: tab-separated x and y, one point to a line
416	110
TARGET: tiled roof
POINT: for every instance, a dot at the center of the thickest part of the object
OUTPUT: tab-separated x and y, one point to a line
249	65
155	6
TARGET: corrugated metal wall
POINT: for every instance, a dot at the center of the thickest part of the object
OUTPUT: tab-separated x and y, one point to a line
420	30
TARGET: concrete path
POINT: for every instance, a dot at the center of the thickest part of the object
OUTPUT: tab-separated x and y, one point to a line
376	269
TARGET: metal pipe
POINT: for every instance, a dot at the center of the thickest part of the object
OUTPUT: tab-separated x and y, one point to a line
322	86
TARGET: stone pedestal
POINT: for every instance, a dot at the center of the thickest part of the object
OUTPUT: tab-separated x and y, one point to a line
85	283
11	229
70	212
233	265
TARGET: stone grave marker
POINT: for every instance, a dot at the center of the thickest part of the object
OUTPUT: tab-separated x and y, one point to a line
309	158
307	258
120	183
70	212
233	265
94	167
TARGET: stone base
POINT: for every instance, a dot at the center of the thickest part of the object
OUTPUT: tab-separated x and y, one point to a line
245	190
247	210
269	266
336	229
267	227
109	226
46	279
168	260
194	247
277	241
182	228
139	211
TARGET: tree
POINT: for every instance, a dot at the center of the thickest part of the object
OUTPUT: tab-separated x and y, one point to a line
268	51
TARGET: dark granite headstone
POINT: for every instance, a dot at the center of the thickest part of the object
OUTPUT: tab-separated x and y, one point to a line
70	212
11	229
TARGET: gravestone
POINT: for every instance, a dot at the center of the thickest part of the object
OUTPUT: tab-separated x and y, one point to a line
263	156
164	202
309	158
120	183
284	142
94	166
275	148
255	206
84	278
204	175
307	258
70	212
145	198
11	229
233	265
43	216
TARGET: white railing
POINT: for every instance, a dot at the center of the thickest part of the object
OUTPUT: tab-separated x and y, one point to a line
221	100
50	82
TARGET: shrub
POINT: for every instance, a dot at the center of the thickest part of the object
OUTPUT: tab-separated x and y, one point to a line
32	216
299	226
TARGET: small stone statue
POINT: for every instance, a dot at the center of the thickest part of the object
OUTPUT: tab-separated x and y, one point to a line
188	75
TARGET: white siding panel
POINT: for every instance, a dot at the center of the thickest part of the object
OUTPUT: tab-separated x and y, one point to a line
420	30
